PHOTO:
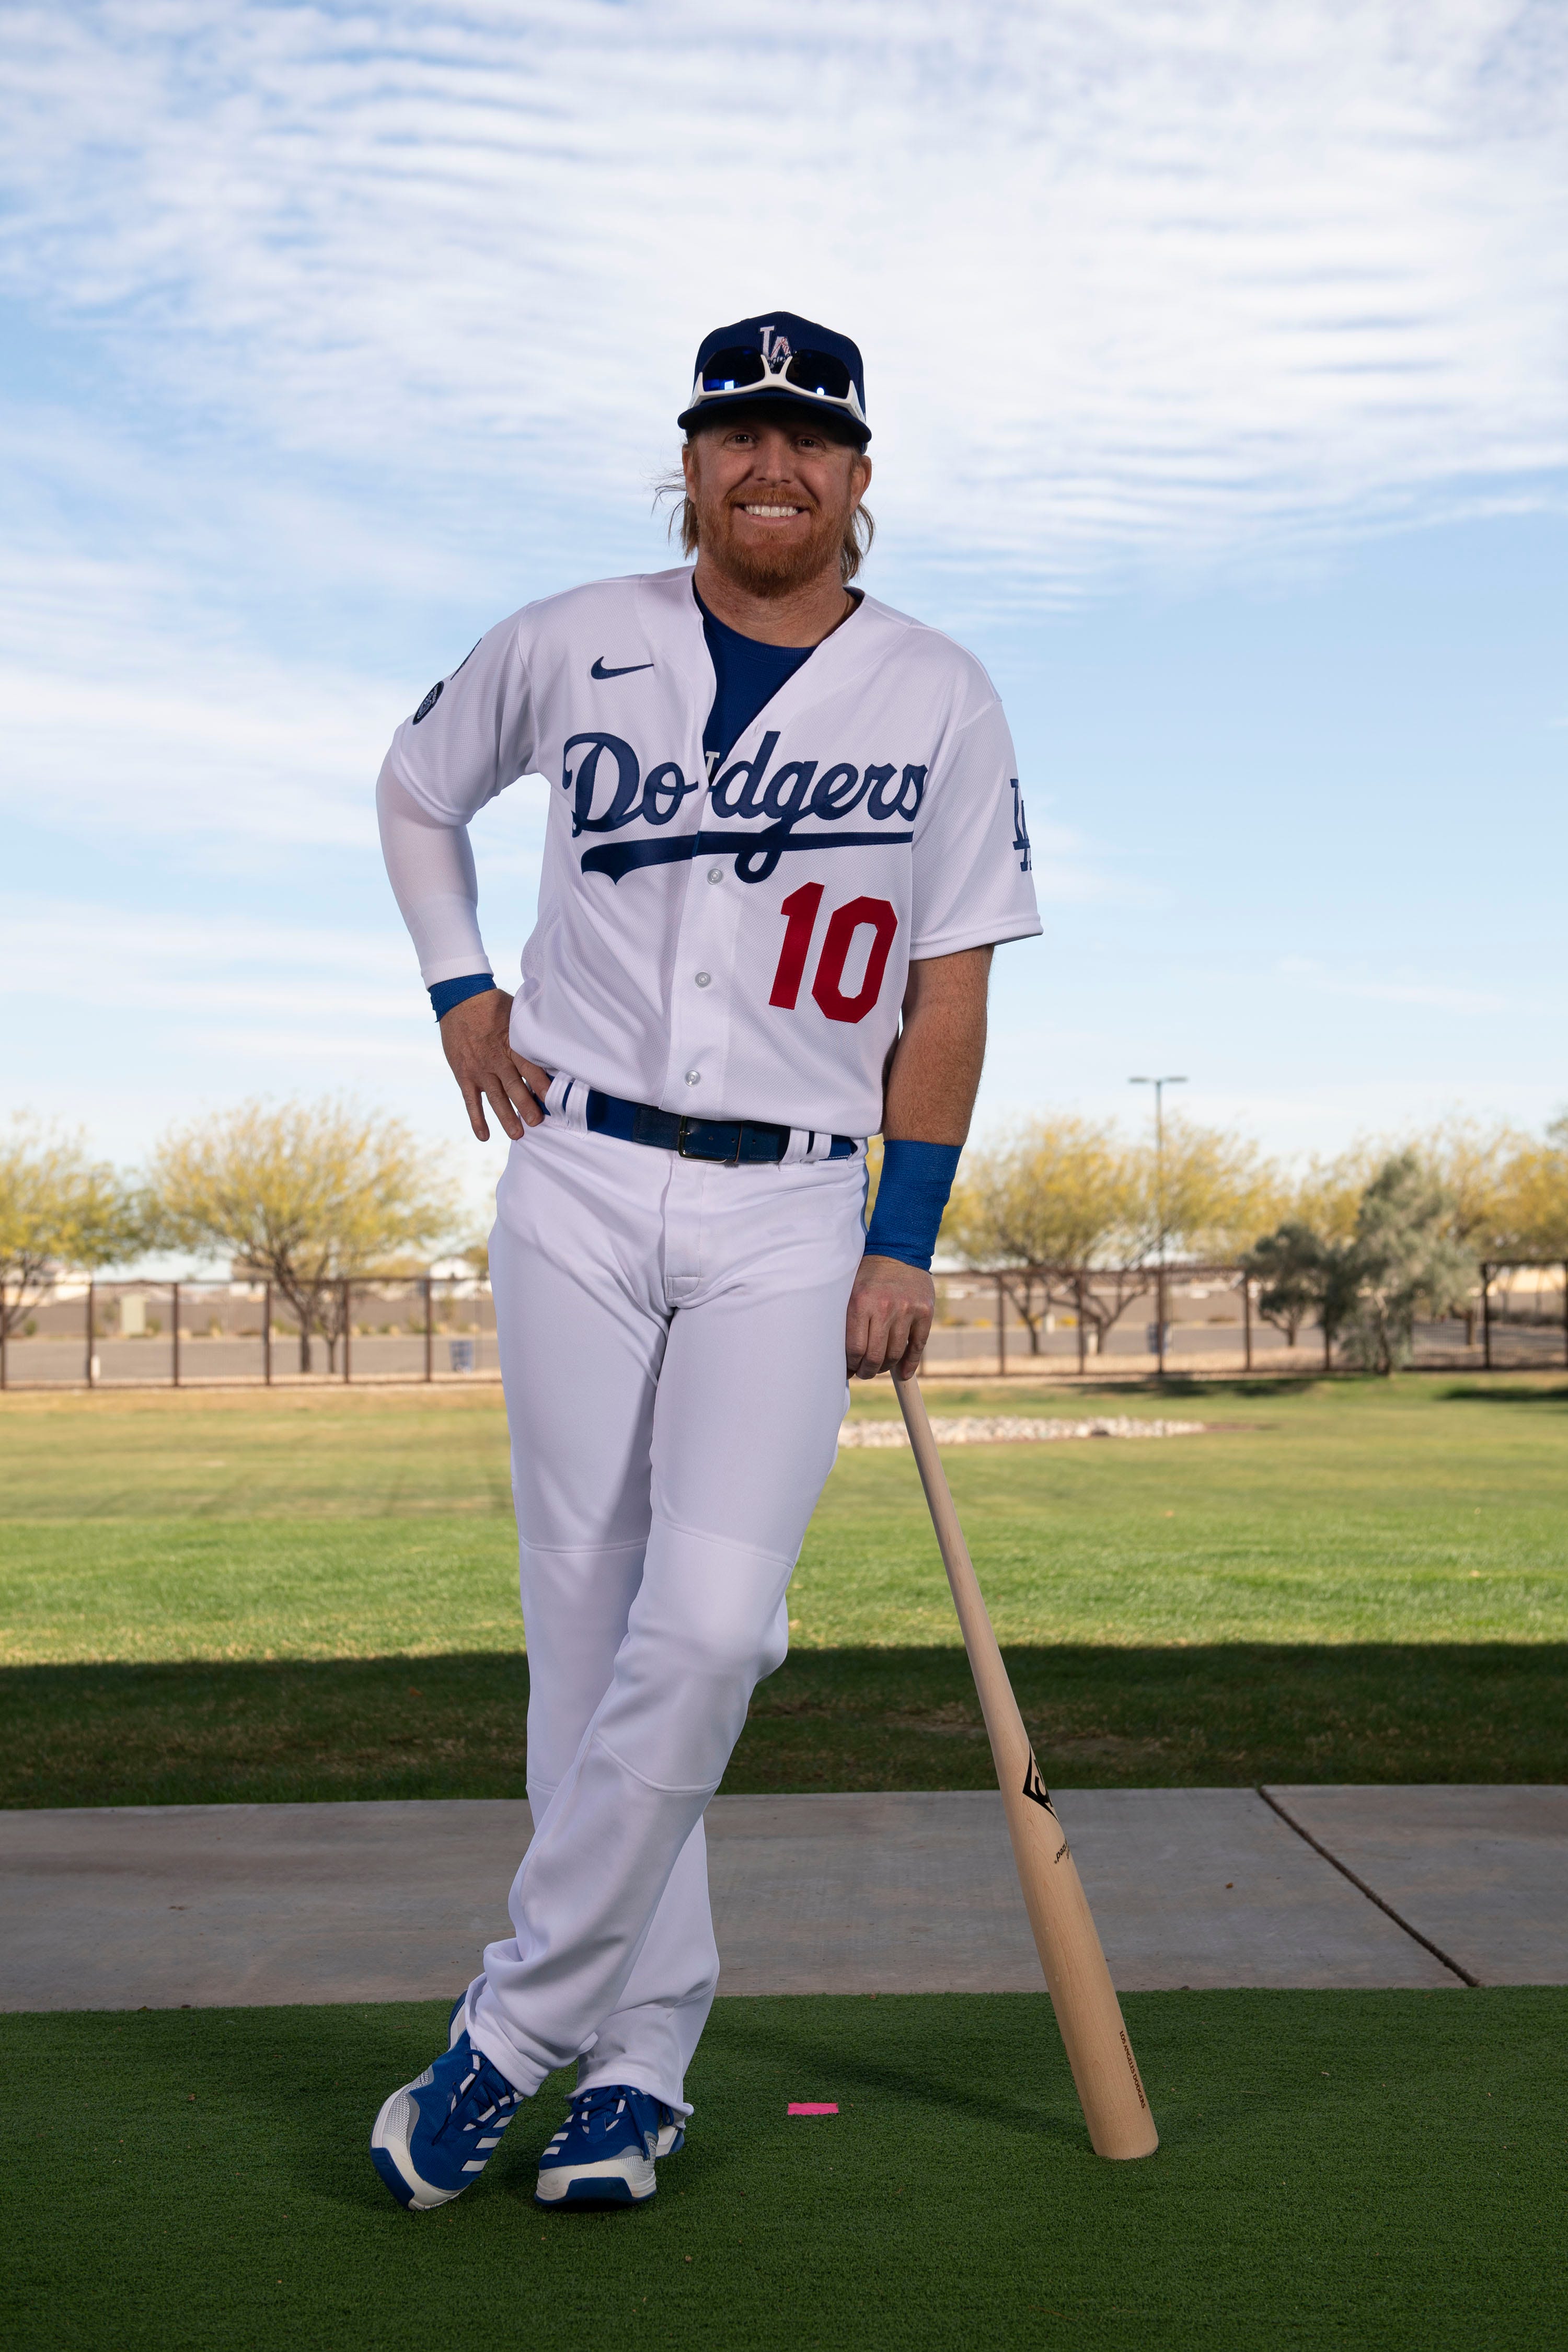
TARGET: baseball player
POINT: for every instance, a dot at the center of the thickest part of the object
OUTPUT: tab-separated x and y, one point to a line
784	835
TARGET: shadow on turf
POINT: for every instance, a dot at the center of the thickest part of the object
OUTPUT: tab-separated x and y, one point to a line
373	2048
1213	1386
835	2059
320	2128
1219	1715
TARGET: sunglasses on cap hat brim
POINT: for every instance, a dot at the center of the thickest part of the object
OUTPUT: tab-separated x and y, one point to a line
818	378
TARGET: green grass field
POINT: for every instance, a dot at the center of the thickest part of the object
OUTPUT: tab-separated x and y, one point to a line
1372	2171
233	1595
230	1596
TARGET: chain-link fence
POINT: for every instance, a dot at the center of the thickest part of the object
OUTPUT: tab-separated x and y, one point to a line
1186	1319
1194	1319
180	1334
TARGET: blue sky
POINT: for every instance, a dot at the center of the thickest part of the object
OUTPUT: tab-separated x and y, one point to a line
1218	362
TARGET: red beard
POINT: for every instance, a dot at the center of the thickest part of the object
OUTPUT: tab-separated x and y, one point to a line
775	569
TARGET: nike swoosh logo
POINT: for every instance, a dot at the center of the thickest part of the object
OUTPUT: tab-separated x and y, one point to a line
600	672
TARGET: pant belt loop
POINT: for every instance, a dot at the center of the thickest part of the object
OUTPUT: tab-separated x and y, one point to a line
567	1100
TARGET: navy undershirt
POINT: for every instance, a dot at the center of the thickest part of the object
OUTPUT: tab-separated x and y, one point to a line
748	674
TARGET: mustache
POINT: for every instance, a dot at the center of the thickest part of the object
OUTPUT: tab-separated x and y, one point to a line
761	498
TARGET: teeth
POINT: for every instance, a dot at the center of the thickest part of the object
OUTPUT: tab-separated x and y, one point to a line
772	511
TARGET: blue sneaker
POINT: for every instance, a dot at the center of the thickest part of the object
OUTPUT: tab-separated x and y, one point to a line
434	2137
603	2153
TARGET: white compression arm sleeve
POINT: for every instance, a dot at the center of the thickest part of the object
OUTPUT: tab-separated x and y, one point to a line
431	868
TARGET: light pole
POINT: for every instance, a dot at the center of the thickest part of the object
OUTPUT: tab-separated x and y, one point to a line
1159	1086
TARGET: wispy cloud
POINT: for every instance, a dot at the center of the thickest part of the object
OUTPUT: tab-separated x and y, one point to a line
129	709
1135	283
220	963
336	331
363	309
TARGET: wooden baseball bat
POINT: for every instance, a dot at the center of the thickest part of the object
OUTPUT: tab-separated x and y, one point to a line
1088	2011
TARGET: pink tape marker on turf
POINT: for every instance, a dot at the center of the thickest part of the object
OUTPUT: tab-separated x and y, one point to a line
811	2107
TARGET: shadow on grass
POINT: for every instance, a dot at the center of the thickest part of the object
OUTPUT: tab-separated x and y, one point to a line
1219	1715
1195	1385
1184	1384
1469	1392
1208	1387
823	2053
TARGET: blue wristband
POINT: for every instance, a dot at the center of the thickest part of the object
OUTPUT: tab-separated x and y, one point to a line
448	993
916	1181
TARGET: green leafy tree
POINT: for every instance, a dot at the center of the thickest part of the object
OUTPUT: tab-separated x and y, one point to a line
1204	1194
1301	1272
1469	1162
1404	1259
305	1195
1283	1265
1072	1215
1326	1196
1530	1206
1054	1197
60	1211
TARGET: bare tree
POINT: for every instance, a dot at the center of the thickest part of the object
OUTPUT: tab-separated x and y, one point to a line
305	1194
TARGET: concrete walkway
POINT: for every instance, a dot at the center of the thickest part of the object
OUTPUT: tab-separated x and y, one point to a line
122	1908
1483	1873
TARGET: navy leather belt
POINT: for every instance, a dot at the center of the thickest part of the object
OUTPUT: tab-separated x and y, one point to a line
735	1142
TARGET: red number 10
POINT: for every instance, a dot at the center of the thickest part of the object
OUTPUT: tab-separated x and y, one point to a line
799	911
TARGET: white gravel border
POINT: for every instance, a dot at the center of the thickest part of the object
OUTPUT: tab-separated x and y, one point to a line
1005	1429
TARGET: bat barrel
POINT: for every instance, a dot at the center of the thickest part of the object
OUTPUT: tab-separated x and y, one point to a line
1099	2050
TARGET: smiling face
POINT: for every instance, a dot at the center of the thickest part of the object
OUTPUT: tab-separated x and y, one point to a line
774	495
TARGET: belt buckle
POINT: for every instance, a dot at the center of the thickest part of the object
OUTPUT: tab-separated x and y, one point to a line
731	1160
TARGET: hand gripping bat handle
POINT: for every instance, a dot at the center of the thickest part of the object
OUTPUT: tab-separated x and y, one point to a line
1084	1999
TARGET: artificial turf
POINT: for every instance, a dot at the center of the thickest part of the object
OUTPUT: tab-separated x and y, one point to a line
225	1595
1372	2170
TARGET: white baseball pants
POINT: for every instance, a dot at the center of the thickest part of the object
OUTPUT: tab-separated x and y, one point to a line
671	1339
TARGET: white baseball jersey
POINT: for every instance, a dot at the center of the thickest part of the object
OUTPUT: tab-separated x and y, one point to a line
733	947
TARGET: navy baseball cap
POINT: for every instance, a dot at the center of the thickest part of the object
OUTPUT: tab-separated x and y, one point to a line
786	360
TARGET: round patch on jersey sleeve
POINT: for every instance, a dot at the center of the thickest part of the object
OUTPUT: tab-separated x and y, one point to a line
431	699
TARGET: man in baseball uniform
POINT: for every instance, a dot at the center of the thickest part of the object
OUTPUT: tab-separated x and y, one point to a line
785	834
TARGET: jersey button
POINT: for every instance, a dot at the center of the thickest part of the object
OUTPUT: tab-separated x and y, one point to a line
704	979
693	1078
715	874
